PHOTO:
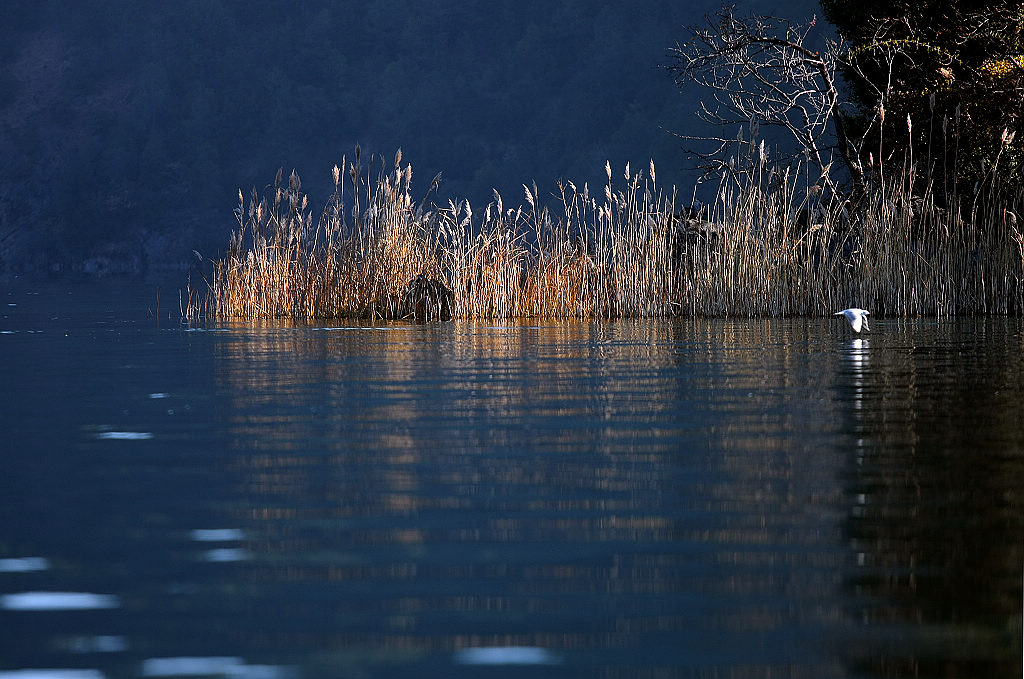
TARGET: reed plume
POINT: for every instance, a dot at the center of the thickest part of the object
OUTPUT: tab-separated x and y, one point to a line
768	245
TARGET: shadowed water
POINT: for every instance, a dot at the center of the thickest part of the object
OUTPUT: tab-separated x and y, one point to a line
719	498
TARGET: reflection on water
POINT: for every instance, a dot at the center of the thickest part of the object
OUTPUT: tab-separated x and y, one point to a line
690	498
57	601
52	674
506	655
212	667
24	564
936	479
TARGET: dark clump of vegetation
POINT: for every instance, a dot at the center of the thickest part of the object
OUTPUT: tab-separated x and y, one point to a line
940	65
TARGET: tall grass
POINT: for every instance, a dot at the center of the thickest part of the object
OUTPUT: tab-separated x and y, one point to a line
769	244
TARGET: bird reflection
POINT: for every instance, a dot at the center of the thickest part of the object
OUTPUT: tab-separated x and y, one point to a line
857	356
858	353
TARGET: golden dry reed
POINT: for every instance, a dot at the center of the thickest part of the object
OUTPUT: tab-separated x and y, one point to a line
769	245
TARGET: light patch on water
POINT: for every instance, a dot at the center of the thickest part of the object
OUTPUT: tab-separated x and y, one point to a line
188	666
98	644
506	655
351	327
217	534
125	435
159	394
27	564
51	674
57	601
226	554
213	667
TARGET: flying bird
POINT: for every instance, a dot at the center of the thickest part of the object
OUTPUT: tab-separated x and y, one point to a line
857	318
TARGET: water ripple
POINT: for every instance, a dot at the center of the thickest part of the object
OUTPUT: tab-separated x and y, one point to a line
57	601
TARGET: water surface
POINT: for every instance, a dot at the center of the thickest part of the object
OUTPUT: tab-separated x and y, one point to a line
719	498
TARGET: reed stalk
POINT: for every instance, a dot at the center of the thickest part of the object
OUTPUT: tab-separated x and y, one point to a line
769	245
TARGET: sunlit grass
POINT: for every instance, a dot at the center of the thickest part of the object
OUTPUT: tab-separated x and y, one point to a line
768	245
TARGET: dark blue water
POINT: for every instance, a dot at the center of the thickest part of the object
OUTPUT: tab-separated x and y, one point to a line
686	498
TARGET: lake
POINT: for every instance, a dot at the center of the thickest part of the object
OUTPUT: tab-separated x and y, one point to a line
629	498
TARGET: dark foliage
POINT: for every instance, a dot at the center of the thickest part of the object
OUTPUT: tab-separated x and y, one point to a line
955	68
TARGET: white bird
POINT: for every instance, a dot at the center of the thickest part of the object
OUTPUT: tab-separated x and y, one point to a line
857	317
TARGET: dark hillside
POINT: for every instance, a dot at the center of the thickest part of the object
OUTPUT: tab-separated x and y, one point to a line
127	127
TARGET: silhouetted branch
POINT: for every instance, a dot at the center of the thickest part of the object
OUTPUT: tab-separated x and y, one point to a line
760	72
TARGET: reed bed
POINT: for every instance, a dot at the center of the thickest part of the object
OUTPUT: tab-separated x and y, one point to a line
770	244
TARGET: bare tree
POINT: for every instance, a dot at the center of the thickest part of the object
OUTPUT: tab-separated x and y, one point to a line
760	72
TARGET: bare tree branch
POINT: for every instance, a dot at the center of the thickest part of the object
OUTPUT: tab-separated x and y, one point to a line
758	71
